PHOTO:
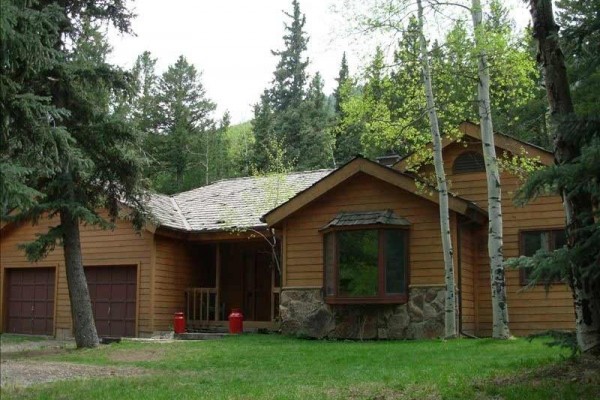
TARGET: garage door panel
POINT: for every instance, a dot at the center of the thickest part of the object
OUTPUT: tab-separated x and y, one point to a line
30	300
113	295
119	291
131	292
130	314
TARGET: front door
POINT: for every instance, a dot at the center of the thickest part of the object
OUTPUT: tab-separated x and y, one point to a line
257	285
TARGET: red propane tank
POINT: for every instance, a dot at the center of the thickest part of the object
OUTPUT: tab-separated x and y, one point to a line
178	323
236	321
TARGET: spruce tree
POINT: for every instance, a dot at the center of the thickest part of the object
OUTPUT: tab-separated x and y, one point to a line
289	118
185	122
317	142
85	151
347	131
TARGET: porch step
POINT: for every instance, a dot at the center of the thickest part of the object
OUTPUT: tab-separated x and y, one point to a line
200	335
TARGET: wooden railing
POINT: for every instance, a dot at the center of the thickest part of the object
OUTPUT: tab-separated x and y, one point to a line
202	305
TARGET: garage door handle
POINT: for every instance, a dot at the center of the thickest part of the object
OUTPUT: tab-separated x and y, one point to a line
108	310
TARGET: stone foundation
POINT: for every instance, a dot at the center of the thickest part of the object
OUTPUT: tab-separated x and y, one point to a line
304	313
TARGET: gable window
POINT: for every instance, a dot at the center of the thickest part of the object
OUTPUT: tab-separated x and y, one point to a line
469	161
365	263
533	241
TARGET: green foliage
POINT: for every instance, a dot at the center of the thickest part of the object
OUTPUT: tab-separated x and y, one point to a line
181	138
580	41
579	177
563	339
63	138
291	117
28	119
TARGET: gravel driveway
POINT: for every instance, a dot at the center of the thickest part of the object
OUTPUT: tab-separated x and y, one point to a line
17	370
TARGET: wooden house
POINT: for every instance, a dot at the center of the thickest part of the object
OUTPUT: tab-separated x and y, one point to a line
353	252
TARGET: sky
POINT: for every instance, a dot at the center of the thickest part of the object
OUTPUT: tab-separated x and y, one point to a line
230	42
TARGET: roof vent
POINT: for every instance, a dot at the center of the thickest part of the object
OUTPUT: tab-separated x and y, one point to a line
389	159
469	161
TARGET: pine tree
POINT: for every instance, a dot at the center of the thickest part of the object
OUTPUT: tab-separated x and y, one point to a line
87	159
184	127
576	151
342	79
288	122
317	142
265	139
347	132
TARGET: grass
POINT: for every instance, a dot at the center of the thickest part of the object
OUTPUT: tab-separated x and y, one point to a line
275	367
7	338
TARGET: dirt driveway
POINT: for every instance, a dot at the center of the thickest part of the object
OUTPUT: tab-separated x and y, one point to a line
18	369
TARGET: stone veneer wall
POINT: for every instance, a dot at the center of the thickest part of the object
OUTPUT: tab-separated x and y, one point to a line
303	312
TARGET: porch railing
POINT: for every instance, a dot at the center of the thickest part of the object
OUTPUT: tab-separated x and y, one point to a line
202	305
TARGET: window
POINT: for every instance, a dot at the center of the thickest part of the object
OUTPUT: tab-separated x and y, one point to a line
532	241
366	265
469	161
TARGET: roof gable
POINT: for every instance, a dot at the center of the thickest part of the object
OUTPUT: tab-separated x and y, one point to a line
362	165
501	140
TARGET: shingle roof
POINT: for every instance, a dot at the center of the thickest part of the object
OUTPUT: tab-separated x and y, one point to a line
385	217
230	203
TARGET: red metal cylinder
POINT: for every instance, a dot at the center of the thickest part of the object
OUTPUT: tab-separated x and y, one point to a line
178	322
236	321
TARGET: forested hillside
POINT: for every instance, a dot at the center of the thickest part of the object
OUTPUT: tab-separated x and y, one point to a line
379	110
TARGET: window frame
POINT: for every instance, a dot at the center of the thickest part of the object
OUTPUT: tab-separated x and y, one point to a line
382	297
523	274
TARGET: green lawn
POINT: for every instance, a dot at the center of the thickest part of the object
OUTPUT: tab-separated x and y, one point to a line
275	367
7	338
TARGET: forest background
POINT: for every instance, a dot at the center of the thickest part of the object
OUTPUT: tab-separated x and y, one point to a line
376	112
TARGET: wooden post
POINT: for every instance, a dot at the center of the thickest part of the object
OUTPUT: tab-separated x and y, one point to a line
218	282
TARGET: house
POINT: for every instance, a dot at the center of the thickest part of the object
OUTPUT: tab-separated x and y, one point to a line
353	252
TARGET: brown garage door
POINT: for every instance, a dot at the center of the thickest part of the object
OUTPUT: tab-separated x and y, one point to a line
113	295
30	300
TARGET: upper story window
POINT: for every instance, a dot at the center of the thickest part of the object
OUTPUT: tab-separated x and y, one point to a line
366	259
469	161
535	240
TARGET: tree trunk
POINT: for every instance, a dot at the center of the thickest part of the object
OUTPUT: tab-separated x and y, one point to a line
498	286
577	206
84	326
442	187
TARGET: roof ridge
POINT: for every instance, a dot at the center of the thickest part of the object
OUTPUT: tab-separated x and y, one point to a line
241	178
178	210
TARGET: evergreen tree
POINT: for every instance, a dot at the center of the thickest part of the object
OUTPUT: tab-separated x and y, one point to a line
145	110
28	37
580	41
342	79
285	114
179	148
265	139
317	142
347	132
575	175
87	156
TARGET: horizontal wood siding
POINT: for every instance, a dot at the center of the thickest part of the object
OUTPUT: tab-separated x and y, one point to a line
529	310
174	269
468	292
304	244
121	246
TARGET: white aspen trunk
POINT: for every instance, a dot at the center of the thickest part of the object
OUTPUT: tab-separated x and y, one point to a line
499	305
442	187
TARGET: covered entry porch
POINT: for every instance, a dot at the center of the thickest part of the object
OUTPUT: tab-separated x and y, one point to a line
233	275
